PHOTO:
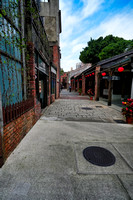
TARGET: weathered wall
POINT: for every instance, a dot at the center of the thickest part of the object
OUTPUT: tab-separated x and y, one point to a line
51	9
50	28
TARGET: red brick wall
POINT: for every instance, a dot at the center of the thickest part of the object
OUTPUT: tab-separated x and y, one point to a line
14	132
31	66
56	61
52	98
48	100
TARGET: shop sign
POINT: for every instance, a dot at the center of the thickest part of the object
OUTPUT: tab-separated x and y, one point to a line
105	77
115	78
43	68
53	70
105	91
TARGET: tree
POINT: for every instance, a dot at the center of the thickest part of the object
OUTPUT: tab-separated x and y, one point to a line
61	71
103	48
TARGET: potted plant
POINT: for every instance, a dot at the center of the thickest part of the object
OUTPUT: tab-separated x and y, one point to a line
127	110
80	91
90	93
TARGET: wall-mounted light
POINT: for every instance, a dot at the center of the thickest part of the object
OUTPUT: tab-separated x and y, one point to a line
120	69
104	74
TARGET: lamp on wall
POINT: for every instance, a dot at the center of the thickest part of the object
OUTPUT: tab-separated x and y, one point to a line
104	74
120	69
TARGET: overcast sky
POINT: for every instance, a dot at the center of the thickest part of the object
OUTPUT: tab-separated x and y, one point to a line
85	19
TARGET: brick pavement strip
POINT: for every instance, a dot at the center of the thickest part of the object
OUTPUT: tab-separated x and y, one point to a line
73	109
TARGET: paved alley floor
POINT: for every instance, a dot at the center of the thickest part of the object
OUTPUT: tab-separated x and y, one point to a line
49	164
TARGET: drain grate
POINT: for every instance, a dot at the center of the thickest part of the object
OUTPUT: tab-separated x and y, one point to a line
120	121
87	108
99	156
98	106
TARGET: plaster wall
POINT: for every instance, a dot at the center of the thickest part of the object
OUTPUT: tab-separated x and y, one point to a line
50	13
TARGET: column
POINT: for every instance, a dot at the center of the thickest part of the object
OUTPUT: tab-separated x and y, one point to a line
110	89
83	84
97	83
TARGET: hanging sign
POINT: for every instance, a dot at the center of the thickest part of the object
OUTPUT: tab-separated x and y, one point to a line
115	78
105	77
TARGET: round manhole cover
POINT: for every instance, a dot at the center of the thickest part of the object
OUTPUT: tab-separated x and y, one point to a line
99	156
86	108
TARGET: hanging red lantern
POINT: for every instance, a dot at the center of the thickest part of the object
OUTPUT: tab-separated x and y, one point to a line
103	74
93	73
90	74
120	69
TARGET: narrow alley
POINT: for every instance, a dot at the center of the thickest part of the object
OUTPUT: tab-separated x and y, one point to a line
49	164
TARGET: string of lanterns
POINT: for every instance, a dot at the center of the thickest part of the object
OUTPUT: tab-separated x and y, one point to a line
120	69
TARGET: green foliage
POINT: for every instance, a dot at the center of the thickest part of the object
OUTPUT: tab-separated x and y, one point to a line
61	71
103	48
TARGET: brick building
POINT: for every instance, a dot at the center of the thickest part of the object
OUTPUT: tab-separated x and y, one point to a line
28	71
51	16
110	79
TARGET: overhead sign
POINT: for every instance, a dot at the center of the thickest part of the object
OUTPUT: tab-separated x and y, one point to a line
105	77
115	78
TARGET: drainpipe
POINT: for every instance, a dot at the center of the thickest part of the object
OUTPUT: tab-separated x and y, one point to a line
1	132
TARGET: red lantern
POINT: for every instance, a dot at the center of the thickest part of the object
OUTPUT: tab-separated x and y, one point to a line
90	74
93	73
120	69
103	74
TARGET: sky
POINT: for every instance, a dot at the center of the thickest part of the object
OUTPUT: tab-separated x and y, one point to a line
85	19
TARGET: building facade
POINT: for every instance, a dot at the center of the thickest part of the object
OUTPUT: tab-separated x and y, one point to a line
51	16
28	74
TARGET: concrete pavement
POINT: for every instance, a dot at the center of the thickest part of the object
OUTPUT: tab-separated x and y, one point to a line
49	165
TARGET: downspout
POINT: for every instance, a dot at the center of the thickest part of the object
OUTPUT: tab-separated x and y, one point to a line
1	132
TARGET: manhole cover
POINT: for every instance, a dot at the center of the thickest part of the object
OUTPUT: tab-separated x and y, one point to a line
99	156
86	108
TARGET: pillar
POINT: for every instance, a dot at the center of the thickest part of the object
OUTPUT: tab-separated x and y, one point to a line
83	84
77	84
97	83
31	71
110	89
56	61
